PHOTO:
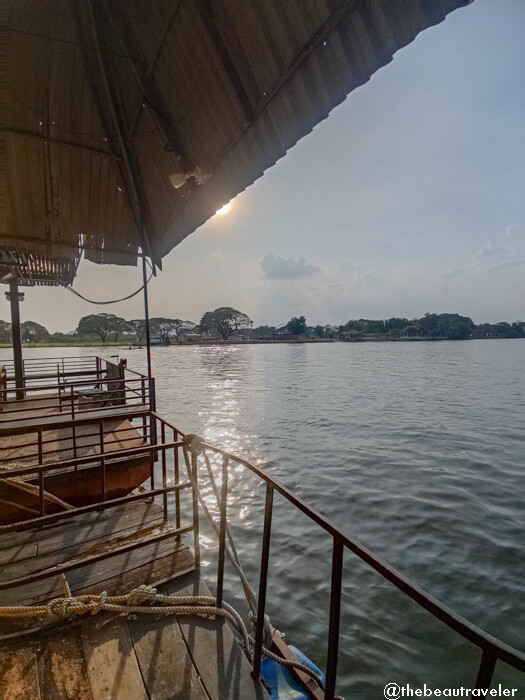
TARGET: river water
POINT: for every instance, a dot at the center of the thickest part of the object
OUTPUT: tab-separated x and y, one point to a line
414	449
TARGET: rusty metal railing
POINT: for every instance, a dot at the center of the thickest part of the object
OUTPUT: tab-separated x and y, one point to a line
492	649
44	370
78	398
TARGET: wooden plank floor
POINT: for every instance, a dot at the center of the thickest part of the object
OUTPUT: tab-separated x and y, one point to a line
115	657
27	552
41	403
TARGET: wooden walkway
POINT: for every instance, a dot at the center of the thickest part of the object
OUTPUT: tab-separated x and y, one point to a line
73	542
114	657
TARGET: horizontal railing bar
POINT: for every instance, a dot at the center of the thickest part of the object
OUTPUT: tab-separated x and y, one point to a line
82	437
90	459
64	406
50	454
80	417
43	520
467	630
76	564
81	382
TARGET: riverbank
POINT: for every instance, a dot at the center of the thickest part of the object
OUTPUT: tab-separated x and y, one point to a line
298	341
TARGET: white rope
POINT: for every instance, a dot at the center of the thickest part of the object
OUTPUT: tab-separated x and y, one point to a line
160	604
194	444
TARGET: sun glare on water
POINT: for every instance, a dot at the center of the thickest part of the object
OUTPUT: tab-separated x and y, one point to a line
225	209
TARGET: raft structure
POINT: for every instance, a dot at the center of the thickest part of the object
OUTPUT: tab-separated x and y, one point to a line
127	126
79	529
101	593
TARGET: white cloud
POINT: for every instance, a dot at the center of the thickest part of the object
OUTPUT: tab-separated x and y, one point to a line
490	250
478	264
511	229
275	267
217	254
456	270
505	264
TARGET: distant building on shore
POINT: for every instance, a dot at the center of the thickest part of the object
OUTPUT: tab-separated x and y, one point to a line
284	336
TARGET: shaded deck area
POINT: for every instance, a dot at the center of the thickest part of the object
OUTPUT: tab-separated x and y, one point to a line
113	550
105	655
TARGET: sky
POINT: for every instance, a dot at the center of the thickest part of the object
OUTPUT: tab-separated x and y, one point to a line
408	199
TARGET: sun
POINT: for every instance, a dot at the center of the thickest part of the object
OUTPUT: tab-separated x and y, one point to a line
225	209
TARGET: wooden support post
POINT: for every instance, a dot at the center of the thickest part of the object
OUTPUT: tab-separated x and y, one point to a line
17	339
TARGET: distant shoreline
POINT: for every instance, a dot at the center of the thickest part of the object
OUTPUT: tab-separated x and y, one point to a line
210	343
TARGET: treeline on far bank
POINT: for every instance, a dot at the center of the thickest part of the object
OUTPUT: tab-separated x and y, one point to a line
226	323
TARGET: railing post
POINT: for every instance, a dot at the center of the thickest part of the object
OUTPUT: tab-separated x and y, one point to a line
16	339
153	453
263	581
40	447
164	484
41	492
176	470
101	435
486	670
222	530
152	408
196	543
335	614
103	477
72	404
74	437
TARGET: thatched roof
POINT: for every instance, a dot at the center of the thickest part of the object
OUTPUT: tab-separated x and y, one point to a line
109	102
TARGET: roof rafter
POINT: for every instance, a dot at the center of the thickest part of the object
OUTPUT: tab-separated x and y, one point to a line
130	169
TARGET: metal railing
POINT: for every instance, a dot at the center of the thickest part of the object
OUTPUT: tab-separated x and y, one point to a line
101	463
78	398
43	370
39	444
492	649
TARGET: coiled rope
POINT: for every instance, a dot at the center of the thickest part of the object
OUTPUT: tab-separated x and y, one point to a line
159	604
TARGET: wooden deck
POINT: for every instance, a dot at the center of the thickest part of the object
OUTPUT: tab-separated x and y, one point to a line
114	657
72	542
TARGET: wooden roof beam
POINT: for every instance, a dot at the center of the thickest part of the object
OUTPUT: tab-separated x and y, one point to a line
150	93
130	169
60	142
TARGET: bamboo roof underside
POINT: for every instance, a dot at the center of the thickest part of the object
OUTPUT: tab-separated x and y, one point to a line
106	100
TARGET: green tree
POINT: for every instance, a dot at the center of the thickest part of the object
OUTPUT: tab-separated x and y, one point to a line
263	332
137	326
224	320
33	332
120	325
180	328
297	326
100	325
5	332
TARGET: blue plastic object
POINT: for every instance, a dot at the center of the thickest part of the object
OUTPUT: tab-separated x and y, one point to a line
282	683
